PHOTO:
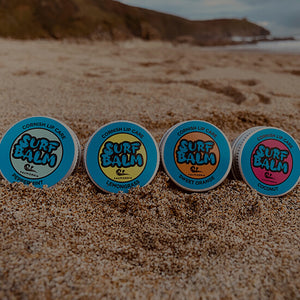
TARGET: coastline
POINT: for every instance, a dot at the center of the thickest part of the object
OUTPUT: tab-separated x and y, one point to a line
272	46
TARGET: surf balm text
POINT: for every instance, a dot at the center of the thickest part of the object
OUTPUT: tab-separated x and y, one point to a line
121	155
38	151
271	159
195	152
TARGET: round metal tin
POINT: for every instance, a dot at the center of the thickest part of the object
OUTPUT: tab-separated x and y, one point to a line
121	155
196	155
39	150
268	159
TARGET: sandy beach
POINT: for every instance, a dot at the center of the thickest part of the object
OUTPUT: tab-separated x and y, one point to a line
157	242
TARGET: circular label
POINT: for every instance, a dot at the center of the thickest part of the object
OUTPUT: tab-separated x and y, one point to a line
36	153
41	151
122	157
271	162
197	155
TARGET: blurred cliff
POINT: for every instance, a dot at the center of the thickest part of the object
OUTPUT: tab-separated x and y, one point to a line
112	20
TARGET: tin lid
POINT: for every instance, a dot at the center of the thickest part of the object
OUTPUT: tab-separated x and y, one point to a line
121	155
38	150
162	141
269	161
236	147
196	155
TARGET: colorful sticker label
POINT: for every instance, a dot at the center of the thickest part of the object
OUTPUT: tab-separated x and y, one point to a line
39	151
36	153
197	155
268	162
271	162
122	157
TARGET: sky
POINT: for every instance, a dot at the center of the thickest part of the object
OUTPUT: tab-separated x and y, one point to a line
281	17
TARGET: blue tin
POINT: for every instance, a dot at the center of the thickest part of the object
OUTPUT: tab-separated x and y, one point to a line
121	155
41	151
268	159
196	155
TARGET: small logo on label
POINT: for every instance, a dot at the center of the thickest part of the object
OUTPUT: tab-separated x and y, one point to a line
120	172
268	175
195	169
29	168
